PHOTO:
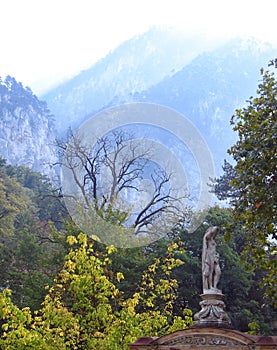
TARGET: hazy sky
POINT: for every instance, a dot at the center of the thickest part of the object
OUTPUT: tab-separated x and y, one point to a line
44	41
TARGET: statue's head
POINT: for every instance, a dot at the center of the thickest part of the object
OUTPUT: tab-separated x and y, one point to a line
212	231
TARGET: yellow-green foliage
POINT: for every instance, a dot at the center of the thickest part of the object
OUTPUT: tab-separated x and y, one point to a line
13	201
85	310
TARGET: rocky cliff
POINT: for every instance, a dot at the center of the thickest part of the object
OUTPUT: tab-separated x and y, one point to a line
27	134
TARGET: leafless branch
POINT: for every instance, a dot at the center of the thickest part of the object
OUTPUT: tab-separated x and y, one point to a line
120	163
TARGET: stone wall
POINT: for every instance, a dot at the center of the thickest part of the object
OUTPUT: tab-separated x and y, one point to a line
206	338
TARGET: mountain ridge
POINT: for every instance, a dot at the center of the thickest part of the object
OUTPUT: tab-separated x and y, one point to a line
133	67
210	88
205	85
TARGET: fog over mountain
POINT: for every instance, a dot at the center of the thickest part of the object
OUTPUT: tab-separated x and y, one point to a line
211	87
134	66
204	82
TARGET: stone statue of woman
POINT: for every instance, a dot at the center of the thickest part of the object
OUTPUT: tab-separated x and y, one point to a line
210	260
212	312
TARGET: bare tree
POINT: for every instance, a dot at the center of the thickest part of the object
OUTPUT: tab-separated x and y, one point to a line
110	173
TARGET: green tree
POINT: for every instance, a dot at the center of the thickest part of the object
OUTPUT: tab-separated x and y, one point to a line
222	186
85	310
245	301
27	265
255	179
30	248
13	201
47	199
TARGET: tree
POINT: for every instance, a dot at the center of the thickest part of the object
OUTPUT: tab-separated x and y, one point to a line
85	310
41	192
255	178
245	302
16	95
29	248
222	186
13	201
106	176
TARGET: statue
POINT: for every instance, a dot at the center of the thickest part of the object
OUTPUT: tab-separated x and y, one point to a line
212	312
210	260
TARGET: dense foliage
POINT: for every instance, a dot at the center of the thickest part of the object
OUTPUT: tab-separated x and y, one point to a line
245	302
251	184
33	250
100	297
29	244
85	310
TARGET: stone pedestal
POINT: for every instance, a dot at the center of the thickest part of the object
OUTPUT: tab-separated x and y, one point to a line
212	312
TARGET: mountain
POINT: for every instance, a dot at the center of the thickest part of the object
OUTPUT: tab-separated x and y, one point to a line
27	133
211	87
206	84
133	67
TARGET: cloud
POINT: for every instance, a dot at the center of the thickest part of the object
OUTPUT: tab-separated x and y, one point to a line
47	40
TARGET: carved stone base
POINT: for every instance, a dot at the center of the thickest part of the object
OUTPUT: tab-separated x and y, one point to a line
212	312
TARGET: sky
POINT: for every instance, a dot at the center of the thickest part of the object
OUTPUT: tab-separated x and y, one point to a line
43	42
